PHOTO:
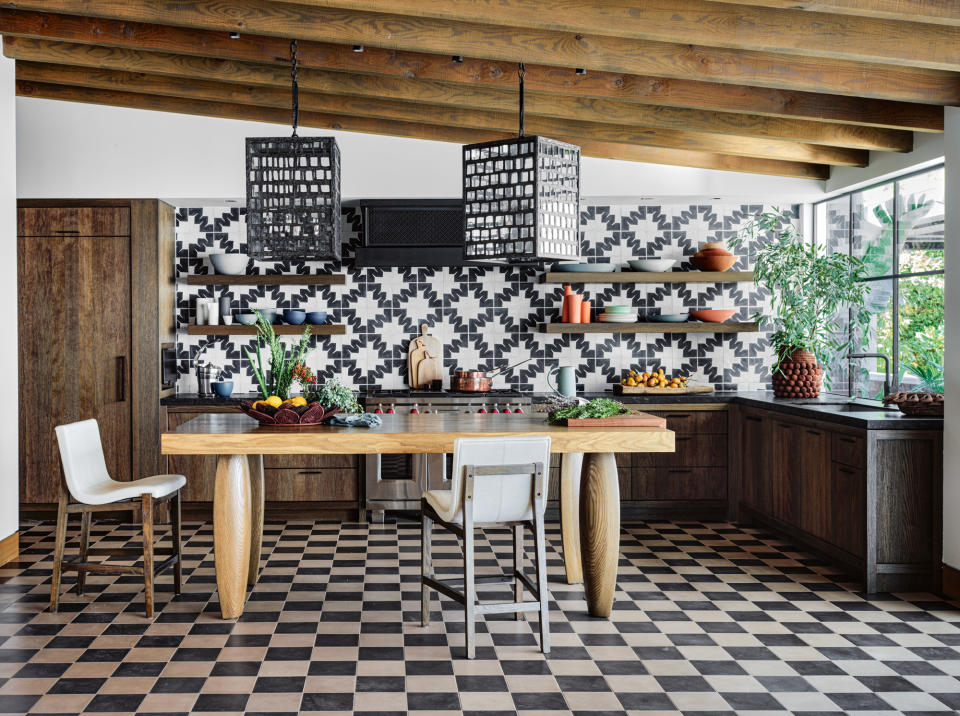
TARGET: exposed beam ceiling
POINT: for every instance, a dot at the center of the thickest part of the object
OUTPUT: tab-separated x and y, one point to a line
679	59
624	117
688	21
471	72
779	86
677	157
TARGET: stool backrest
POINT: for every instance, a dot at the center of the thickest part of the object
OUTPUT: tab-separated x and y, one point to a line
81	453
499	498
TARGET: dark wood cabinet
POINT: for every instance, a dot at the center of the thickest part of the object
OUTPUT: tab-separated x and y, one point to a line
90	285
868	499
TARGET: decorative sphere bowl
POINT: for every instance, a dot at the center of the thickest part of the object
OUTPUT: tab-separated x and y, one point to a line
287	416
230	264
246	319
223	388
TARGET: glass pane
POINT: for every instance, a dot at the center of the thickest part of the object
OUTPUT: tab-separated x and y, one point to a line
875	336
873	229
920	222
832	227
921	333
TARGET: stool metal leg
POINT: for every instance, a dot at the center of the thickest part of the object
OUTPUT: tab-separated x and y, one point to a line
539	489
469	589
426	565
518	568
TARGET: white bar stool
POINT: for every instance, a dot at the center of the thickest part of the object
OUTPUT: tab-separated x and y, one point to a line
93	490
500	481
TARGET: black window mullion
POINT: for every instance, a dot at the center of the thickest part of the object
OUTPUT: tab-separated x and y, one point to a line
895	346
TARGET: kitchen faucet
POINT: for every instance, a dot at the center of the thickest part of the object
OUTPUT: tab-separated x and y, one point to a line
886	367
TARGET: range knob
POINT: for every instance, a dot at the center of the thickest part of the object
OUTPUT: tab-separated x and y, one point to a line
518	409
415	410
496	408
390	411
507	409
379	409
482	409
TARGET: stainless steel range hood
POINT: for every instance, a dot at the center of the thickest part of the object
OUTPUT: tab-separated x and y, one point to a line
411	232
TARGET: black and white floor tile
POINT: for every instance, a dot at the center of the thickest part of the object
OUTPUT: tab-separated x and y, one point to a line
486	315
709	618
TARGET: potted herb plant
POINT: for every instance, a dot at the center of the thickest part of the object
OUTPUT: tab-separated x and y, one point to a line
809	287
275	406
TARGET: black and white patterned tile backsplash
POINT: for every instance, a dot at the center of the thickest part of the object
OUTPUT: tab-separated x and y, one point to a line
486	316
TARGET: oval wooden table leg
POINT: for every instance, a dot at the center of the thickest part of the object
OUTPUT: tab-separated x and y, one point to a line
256	516
571	465
231	532
599	530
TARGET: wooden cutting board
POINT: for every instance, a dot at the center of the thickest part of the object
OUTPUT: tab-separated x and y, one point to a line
634	420
637	390
415	354
428	370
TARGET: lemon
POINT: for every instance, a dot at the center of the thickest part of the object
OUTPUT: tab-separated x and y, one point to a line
299	401
274	401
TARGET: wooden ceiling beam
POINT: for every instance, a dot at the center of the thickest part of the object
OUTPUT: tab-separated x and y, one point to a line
935	11
445	115
661	92
622	116
680	59
651	155
702	22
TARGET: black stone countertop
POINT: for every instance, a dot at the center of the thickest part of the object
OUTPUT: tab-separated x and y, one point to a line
836	409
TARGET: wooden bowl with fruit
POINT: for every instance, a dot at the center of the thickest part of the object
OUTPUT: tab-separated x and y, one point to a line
292	412
658	381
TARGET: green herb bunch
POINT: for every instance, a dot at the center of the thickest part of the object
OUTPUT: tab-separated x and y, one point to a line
596	408
333	393
282	364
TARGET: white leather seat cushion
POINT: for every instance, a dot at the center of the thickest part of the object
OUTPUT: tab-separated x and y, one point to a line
157	486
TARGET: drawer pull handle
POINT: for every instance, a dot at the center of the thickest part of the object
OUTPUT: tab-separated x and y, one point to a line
684	472
846	470
682	439
814	432
849	441
678	415
752	419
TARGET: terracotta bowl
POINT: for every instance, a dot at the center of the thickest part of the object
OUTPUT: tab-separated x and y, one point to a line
717	315
289	417
713	263
713	252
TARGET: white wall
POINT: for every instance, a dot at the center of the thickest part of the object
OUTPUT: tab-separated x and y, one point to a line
927	149
951	425
9	464
77	150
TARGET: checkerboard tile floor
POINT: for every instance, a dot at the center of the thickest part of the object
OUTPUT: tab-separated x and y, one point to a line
709	618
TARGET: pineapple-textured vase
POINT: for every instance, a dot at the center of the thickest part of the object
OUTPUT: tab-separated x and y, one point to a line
798	376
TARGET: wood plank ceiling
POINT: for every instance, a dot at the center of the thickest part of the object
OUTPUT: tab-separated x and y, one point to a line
782	87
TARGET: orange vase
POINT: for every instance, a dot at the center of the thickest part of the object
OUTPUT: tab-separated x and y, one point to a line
585	311
575	301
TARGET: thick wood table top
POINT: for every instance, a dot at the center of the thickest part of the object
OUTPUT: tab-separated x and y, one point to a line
236	434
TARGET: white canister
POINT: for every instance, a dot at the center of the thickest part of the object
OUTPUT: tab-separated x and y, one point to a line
213	313
200	308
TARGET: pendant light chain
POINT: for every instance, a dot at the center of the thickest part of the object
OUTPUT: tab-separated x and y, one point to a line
295	111
521	71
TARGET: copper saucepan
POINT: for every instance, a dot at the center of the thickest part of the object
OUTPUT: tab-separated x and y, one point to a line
478	381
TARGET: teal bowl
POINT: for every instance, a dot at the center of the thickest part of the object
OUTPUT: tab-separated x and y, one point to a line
670	317
294	316
246	319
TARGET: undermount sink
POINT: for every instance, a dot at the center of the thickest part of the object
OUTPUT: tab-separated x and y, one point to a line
857	408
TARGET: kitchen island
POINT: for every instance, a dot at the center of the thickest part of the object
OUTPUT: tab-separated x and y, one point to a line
240	444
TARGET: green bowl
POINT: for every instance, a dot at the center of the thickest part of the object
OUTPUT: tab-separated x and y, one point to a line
618	309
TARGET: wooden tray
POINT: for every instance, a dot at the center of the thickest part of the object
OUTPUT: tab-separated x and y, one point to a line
637	390
634	420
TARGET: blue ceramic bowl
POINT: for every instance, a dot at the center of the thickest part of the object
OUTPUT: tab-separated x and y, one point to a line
246	319
317	318
223	388
294	316
270	314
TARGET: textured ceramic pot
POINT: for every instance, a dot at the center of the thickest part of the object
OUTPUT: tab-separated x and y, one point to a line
799	376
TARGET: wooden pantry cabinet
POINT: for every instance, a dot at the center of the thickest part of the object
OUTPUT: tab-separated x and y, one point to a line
95	302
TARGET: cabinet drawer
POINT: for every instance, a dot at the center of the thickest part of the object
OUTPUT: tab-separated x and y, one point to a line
314	462
680	483
325	485
849	450
691	451
695	422
65	221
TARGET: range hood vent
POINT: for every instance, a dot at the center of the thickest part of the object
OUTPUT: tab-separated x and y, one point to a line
411	232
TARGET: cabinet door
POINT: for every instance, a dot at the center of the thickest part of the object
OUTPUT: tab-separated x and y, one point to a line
848	519
74	348
755	456
816	505
200	470
786	474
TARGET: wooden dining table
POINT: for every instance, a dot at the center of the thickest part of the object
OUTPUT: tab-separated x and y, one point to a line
589	485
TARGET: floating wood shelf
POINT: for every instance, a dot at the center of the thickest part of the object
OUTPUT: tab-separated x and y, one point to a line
651	327
316	279
648	277
337	329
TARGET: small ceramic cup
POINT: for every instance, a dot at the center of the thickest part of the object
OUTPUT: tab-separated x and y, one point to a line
227	320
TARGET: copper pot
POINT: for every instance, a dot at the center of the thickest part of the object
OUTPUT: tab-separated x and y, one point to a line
477	381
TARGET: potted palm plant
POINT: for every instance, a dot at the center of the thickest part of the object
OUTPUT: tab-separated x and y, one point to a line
808	288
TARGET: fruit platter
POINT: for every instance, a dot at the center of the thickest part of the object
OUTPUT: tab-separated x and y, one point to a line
657	381
293	411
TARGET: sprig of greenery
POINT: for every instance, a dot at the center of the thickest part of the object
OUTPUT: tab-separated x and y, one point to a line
808	288
596	408
333	393
281	366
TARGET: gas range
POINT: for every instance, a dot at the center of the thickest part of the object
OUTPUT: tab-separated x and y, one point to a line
447	401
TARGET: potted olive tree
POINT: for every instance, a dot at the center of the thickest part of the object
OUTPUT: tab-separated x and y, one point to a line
808	288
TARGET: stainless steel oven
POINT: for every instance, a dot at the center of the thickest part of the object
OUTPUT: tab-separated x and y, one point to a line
397	482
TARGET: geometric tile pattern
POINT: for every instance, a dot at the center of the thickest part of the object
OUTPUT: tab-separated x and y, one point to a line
708	618
487	316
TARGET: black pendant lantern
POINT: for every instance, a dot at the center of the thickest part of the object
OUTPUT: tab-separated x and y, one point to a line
293	193
521	198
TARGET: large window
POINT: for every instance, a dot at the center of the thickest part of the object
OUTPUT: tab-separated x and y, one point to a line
897	229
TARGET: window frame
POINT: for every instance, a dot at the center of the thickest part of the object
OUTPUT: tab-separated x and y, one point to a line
894	277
